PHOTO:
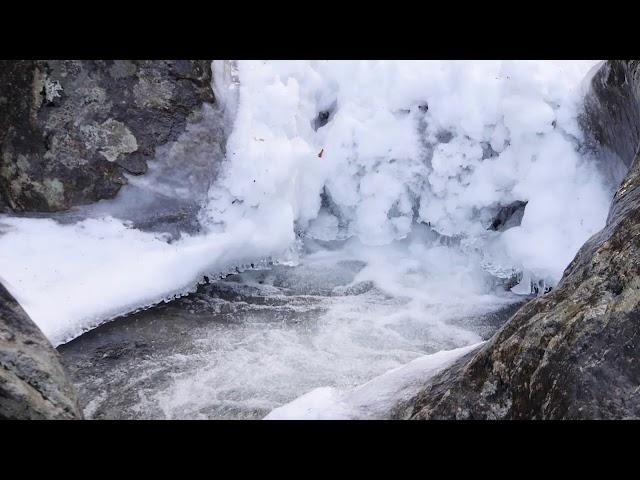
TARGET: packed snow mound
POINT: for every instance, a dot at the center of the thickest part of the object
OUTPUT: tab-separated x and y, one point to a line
70	278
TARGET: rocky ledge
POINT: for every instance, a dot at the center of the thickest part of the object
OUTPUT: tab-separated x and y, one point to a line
573	353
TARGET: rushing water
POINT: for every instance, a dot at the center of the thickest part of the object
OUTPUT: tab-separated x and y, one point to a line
242	346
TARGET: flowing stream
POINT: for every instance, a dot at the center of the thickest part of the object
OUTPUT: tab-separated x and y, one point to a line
245	345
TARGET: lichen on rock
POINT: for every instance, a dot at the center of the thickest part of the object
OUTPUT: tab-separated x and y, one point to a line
79	126
111	138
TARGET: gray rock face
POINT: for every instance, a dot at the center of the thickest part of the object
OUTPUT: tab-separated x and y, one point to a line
33	383
70	129
575	352
611	118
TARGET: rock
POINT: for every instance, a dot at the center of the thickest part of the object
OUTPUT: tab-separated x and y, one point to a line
33	383
324	116
573	353
508	216
611	119
71	129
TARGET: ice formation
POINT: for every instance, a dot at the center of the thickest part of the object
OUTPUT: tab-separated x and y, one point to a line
402	143
330	150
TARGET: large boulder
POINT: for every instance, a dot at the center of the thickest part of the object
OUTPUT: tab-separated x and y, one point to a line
33	383
573	353
71	129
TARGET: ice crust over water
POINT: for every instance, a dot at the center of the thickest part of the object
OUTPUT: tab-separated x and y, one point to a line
404	143
70	278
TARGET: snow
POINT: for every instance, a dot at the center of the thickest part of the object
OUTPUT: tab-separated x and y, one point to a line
374	399
70	278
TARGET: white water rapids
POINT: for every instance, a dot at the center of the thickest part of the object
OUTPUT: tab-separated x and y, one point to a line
394	166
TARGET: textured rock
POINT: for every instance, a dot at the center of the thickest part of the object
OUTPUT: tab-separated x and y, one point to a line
575	352
611	117
70	129
33	383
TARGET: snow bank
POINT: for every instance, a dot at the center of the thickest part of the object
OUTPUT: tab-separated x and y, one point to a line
374	399
404	142
70	278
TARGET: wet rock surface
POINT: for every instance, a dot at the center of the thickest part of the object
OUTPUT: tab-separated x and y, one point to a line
611	117
508	216
71	129
33	383
572	353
